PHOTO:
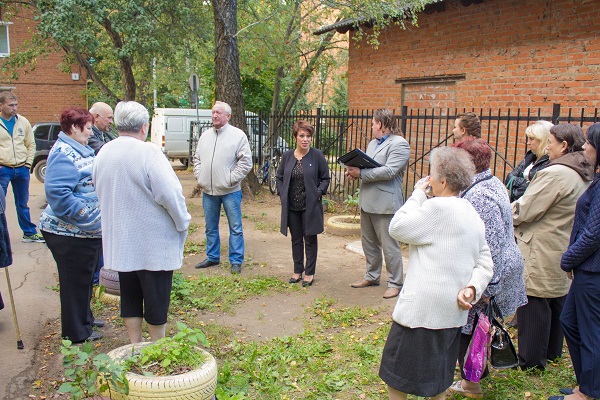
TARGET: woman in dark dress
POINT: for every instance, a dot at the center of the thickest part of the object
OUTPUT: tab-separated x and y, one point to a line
302	180
535	159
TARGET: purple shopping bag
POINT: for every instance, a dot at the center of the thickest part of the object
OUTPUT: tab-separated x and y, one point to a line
476	357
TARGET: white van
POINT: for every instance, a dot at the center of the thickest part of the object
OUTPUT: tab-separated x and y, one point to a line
171	131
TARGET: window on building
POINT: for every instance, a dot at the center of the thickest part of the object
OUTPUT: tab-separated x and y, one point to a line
4	40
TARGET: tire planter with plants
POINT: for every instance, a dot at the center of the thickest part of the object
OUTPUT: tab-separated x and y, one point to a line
108	298
199	383
343	225
110	280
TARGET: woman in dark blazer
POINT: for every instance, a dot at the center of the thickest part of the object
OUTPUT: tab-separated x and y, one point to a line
302	180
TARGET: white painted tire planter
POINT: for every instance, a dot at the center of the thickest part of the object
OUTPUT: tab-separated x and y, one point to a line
339	225
108	298
200	383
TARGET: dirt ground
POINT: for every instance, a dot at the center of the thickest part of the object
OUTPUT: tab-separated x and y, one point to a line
267	253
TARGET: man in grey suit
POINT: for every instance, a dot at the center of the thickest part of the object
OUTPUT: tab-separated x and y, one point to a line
380	197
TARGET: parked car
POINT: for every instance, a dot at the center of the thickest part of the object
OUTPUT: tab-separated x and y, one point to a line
45	134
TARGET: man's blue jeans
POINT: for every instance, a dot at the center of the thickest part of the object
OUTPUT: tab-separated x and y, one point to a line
232	203
19	177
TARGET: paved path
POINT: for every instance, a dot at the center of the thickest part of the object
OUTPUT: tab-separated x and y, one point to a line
32	274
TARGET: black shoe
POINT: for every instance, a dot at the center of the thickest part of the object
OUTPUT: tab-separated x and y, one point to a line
566	391
294	280
98	322
96	335
307	283
236	269
207	263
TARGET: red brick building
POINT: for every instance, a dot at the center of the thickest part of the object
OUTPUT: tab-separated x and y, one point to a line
490	54
46	91
509	60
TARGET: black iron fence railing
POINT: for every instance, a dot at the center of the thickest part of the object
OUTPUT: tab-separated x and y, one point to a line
424	129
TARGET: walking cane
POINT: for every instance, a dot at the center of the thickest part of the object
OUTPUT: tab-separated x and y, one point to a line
12	303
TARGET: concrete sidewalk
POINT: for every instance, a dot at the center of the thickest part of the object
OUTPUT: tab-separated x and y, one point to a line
32	274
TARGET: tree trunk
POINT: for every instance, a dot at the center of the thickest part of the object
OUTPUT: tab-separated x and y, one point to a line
227	72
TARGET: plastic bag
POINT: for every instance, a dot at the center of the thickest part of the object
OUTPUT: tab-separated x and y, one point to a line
476	357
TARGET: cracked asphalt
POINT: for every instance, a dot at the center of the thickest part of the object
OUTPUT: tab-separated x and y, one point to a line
32	275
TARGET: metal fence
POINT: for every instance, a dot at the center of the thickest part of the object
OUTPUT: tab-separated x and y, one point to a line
424	129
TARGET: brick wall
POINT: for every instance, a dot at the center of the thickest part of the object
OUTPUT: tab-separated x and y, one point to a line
513	54
46	91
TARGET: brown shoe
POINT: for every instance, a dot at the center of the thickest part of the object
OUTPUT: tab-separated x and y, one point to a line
364	283
391	292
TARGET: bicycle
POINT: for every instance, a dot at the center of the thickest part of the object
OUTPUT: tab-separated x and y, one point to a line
268	171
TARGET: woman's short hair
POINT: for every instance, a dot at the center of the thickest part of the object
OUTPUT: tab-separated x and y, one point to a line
593	137
386	119
305	126
540	130
470	122
130	116
454	165
571	134
75	116
479	150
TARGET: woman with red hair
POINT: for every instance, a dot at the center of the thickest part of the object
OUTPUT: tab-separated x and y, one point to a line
70	223
488	196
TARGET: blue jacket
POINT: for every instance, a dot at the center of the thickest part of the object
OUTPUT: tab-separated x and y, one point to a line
72	201
583	253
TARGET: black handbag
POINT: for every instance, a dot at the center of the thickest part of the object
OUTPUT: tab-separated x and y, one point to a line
502	350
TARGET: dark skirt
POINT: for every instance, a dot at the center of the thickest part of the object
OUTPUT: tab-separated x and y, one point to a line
420	361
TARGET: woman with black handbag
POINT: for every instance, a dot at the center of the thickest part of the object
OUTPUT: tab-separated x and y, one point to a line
506	292
580	318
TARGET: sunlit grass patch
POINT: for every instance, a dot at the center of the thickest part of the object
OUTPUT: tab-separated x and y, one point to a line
211	293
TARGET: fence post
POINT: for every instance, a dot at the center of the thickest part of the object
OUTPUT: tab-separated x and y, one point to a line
261	132
555	113
318	129
403	120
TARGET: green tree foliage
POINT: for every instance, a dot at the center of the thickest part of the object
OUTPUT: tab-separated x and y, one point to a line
372	16
117	41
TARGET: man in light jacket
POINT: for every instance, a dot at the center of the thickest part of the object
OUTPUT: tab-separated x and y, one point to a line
222	161
17	149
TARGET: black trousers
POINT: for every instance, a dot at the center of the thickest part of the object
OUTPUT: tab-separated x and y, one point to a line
302	243
463	346
581	322
76	259
540	335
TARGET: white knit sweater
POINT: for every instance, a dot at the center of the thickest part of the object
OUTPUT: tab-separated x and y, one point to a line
144	216
447	252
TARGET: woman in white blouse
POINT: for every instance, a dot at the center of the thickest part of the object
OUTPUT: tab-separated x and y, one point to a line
449	267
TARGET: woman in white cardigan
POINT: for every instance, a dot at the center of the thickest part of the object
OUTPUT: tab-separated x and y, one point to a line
144	221
449	267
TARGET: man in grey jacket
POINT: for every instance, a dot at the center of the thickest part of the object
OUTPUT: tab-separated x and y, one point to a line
380	197
222	161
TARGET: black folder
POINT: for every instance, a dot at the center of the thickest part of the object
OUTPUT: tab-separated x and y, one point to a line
358	158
